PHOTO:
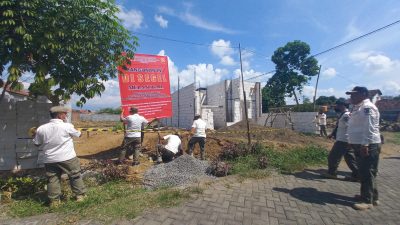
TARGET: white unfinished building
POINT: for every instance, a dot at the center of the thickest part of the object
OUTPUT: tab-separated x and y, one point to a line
220	105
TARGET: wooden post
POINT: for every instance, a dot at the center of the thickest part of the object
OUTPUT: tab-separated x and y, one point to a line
316	86
245	100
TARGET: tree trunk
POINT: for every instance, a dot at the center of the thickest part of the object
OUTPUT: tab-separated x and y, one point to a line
295	97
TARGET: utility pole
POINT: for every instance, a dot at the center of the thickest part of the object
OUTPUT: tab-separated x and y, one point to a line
178	102
316	85
245	100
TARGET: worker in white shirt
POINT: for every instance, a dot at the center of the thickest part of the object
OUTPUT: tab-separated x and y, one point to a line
55	140
364	137
322	123
132	140
198	132
173	148
341	146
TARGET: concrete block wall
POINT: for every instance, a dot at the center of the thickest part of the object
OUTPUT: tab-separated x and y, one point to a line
216	101
99	117
17	150
302	121
186	108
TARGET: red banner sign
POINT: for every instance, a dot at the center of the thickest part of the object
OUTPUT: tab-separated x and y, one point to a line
145	85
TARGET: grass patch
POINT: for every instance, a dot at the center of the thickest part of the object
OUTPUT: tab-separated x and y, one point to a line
287	161
393	137
104	203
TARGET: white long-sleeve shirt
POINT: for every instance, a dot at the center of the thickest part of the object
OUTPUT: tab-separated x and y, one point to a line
364	124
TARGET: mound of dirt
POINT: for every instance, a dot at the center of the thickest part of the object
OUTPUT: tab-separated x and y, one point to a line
277	136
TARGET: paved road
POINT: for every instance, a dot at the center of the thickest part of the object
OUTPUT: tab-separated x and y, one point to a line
302	198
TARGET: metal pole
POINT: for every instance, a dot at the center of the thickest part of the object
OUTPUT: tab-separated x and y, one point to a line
316	85
178	103
245	100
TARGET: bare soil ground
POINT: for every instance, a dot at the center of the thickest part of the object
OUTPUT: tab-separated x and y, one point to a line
107	145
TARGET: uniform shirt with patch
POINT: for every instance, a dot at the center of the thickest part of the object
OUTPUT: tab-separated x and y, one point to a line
134	123
173	143
343	123
364	124
55	140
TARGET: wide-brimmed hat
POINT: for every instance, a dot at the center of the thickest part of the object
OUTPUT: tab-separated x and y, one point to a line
59	109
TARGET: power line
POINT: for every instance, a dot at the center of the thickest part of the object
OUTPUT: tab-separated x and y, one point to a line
357	38
341	45
194	43
181	41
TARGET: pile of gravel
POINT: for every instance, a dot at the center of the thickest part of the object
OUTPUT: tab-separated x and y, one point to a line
180	172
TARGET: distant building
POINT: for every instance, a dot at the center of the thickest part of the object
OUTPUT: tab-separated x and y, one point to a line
389	109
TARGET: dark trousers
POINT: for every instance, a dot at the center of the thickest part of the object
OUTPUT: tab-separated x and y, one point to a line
340	149
322	130
53	173
368	170
166	155
193	141
131	145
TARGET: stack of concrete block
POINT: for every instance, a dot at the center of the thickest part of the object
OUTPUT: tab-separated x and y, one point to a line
207	116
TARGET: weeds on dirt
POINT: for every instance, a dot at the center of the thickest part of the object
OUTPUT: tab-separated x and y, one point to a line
19	187
105	202
262	157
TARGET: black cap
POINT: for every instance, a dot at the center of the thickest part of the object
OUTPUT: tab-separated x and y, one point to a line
358	89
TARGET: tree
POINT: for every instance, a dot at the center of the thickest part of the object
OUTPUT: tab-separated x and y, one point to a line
324	100
294	68
272	95
69	46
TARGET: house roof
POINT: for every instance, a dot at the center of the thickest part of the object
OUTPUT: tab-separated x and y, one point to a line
374	92
388	104
21	92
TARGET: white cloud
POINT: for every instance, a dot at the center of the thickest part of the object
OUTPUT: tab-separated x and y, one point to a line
221	48
250	73
161	21
375	63
329	73
227	61
110	98
130	18
224	51
194	20
206	74
391	88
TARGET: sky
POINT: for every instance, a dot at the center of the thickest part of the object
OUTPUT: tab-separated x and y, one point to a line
202	37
